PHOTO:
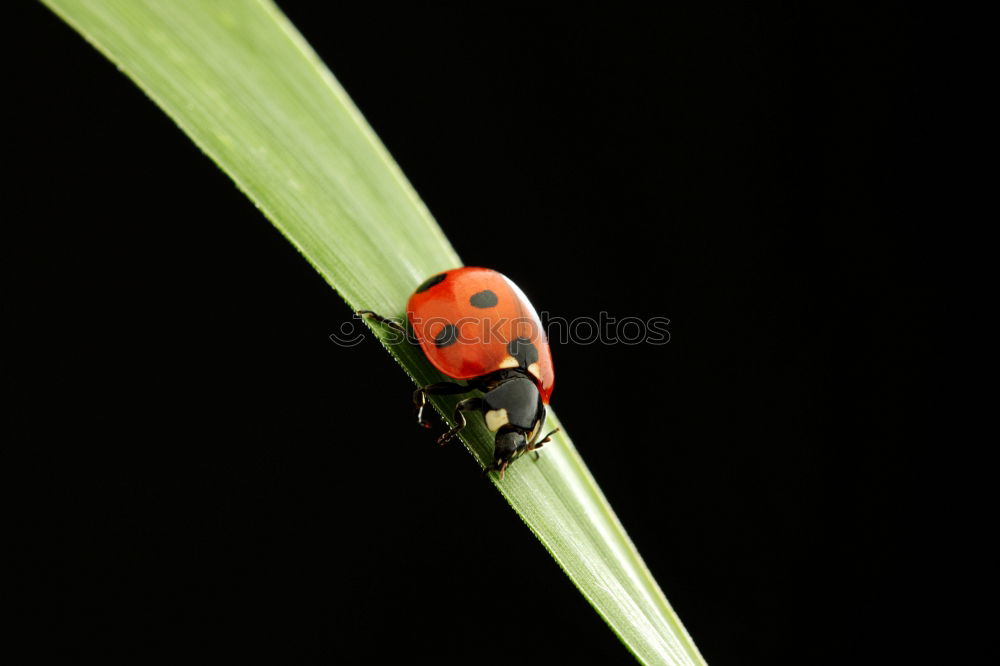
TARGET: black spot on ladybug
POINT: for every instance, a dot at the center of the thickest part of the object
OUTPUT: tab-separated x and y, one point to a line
523	350
483	299
447	336
431	281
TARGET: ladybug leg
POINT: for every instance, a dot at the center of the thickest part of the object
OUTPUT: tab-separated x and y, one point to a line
440	388
543	440
493	467
467	405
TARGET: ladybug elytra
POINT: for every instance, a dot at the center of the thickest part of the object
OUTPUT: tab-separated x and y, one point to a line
474	324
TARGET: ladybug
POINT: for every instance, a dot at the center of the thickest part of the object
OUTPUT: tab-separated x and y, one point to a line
475	324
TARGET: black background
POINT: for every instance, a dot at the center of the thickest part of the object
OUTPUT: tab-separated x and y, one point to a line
208	475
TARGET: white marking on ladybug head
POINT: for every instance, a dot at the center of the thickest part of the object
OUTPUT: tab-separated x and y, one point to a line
535	370
496	418
509	362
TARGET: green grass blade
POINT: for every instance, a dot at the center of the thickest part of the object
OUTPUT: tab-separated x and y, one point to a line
248	90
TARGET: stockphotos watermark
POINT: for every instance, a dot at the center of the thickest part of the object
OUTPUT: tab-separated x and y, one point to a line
602	329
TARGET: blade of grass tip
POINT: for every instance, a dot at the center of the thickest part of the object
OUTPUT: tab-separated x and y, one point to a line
241	82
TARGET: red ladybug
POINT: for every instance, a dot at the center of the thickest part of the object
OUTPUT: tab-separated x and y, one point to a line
477	325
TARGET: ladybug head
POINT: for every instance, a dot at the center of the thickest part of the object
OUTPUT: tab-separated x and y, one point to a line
509	444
